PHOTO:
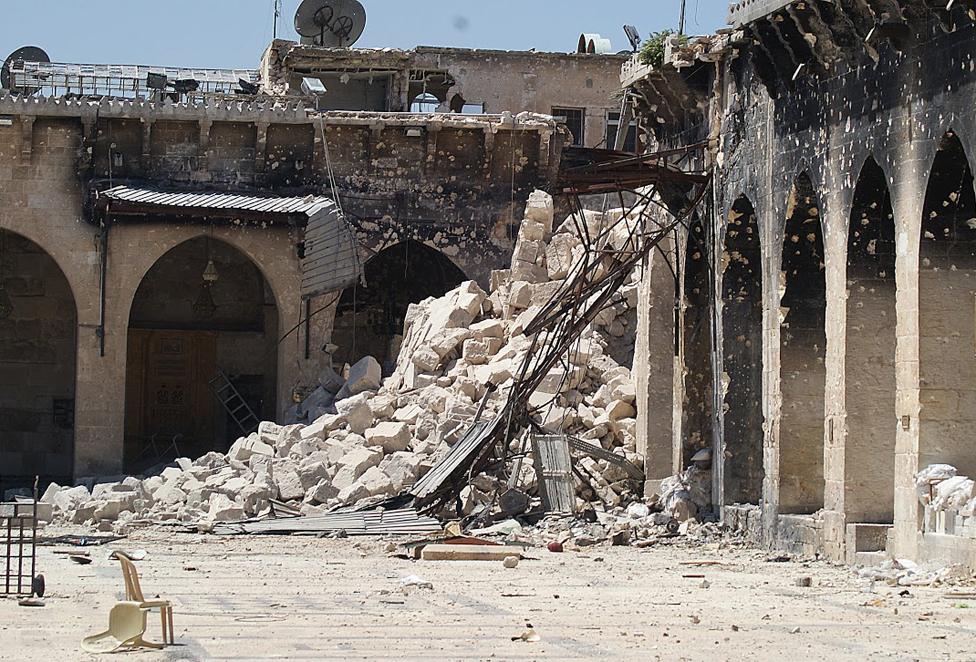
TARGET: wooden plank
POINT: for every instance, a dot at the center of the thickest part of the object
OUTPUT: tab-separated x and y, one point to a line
469	552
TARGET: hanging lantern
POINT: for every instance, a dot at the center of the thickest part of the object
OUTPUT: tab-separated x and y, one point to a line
204	307
210	274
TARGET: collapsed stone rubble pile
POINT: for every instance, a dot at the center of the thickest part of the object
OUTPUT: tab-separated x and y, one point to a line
363	437
948	500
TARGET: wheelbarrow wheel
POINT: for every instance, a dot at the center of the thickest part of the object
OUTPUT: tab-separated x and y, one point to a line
37	585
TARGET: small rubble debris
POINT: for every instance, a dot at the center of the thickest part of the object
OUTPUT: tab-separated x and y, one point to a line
511	562
903	572
530	635
415	582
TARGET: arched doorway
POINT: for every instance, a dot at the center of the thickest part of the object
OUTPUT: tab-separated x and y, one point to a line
38	345
803	341
946	288
203	308
742	333
869	449
369	320
696	343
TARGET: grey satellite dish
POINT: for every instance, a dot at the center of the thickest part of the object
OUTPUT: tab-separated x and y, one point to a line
25	54
330	23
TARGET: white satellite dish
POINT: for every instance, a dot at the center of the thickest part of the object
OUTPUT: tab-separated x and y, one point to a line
330	23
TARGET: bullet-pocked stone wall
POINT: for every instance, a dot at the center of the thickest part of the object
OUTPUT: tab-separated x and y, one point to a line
882	384
37	365
42	200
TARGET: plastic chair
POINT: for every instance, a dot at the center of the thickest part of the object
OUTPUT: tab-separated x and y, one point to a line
133	593
126	626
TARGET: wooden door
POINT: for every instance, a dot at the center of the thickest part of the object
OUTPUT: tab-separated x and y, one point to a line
168	391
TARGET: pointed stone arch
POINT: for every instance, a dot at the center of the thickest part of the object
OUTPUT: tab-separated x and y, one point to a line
946	289
870	381
369	318
696	344
38	361
742	356
803	342
183	330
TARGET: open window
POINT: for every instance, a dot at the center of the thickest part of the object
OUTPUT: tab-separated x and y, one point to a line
575	120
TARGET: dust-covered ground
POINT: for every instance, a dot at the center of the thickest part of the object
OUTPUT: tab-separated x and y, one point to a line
300	598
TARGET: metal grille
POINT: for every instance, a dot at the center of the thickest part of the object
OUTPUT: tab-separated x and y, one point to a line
18	537
554	468
119	80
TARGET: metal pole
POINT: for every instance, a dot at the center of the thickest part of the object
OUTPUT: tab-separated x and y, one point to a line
681	21
277	15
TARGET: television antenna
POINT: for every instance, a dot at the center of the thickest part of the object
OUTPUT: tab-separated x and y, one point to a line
330	23
24	54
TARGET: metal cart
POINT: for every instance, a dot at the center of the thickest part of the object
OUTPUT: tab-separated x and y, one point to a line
18	544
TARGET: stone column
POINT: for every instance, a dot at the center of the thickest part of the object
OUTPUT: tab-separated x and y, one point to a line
654	364
835	208
909	176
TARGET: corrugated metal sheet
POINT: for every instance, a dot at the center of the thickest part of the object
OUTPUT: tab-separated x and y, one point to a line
331	253
331	259
455	465
555	472
308	205
368	523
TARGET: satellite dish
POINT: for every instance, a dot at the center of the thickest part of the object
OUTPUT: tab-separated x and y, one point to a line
331	23
25	54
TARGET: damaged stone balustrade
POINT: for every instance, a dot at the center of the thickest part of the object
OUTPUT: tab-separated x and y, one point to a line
363	439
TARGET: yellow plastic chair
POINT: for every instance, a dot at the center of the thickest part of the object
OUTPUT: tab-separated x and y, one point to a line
133	593
126	627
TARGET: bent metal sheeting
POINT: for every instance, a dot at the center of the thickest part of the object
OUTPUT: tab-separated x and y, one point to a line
331	257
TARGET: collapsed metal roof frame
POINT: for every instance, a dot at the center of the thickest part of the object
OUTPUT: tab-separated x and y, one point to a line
587	291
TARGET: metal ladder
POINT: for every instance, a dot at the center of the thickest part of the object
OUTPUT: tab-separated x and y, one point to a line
234	403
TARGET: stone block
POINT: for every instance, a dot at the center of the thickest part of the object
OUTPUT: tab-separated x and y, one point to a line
402	468
532	230
330	380
540	208
288	482
168	495
242	449
365	375
357	413
489	328
377	483
391	436
353	493
323	492
619	409
321	427
354	464
223	509
560	256
70	498
312	473
478	352
426	359
269	432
